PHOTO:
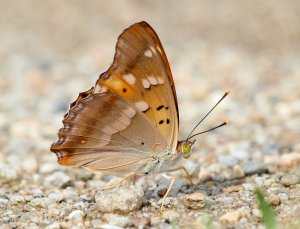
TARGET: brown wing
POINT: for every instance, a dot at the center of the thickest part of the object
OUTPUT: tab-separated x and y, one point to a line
141	74
105	132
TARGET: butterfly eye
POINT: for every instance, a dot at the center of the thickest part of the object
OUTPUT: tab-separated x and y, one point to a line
186	148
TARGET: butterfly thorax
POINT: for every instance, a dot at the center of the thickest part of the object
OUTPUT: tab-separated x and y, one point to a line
169	159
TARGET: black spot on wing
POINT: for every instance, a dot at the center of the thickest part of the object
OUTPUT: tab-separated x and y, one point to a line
160	107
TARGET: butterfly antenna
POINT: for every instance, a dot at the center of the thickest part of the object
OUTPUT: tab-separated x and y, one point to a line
216	127
223	97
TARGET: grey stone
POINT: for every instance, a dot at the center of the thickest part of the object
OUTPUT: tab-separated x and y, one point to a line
121	199
57	179
283	197
290	179
3	201
56	196
228	160
254	167
241	154
7	173
117	220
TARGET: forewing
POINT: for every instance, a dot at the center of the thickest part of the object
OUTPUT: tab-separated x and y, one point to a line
141	74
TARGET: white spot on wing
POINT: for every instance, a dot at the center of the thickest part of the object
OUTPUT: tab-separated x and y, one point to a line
148	53
160	80
130	112
152	49
152	80
142	105
129	78
145	83
99	89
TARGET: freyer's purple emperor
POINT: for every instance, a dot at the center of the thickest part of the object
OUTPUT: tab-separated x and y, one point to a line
128	122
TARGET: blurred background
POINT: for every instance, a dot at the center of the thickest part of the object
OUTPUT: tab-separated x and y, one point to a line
52	50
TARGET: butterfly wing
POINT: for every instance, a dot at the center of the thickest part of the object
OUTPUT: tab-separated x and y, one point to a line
141	74
105	132
131	113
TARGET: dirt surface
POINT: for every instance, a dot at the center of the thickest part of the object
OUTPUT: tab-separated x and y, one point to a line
50	51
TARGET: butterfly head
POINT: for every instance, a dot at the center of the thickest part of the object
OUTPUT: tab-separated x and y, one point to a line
185	148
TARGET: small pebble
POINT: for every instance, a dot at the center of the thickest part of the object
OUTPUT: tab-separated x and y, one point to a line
117	220
42	202
96	223
254	167
76	216
30	164
204	176
290	179
194	201
269	182
232	217
257	213
7	173
70	194
228	160
3	201
241	154
259	181
283	197
231	189
56	197
273	199
17	199
238	172
161	190
48	167
170	215
226	200
249	186
141	222
289	160
54	225
120	199
56	179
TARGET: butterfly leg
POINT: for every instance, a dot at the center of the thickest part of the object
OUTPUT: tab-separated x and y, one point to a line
133	178
168	191
120	181
186	172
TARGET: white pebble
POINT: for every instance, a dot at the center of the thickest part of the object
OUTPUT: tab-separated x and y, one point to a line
7	173
123	199
42	202
117	220
29	164
56	197
56	179
283	197
76	216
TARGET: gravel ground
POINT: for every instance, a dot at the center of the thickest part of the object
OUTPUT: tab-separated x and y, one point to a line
50	51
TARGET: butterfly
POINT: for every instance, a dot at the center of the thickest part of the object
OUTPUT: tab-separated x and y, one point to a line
127	124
